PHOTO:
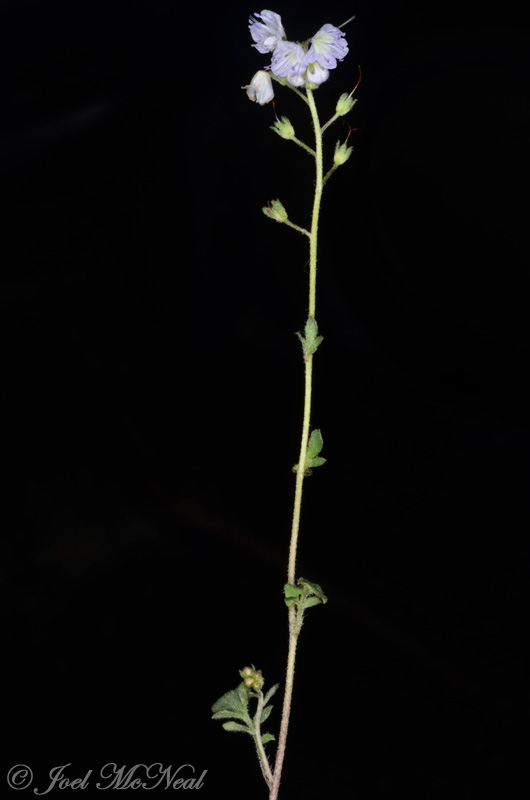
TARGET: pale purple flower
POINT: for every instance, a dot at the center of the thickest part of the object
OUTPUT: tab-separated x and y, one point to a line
327	45
317	74
290	61
260	88
267	33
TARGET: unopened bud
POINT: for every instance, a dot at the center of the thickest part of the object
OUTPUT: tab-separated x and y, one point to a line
345	103
283	128
342	153
275	211
252	678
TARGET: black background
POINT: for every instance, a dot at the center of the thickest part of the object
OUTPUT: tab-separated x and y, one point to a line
152	391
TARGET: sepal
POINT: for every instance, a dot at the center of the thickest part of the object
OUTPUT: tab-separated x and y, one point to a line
275	210
342	153
345	103
283	128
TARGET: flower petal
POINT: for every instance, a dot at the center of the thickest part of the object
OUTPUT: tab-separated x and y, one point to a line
266	33
260	88
316	73
328	45
289	61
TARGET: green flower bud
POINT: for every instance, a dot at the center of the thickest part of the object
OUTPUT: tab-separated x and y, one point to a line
276	211
342	153
252	678
283	128
345	103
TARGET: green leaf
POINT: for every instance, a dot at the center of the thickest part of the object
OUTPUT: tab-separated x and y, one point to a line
315	462
312	459
311	341
243	695
312	601
234	700
314	347
314	589
290	590
225	714
292	593
315	445
235	726
270	693
265	714
268	737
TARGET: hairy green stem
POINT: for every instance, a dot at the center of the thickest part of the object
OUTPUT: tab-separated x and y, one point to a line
262	756
295	619
303	145
296	227
319	185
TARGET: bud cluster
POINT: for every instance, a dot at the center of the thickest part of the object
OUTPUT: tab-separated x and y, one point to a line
252	678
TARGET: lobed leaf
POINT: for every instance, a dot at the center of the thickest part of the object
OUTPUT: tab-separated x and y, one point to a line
234	700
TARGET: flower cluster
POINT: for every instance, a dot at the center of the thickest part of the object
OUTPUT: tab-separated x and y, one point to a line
299	64
252	678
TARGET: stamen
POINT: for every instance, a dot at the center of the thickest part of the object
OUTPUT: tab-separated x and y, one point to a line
345	23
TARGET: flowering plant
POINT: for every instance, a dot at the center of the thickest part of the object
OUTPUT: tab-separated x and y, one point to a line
301	67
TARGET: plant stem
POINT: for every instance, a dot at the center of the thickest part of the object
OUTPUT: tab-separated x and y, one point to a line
303	145
296	227
262	756
319	185
295	620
